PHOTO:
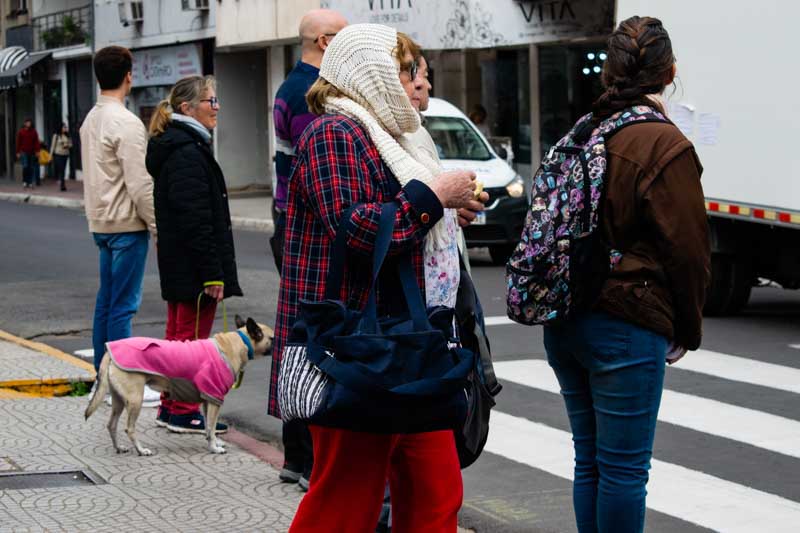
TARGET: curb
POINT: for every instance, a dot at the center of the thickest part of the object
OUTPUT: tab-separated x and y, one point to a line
264	451
45	386
46	201
263	225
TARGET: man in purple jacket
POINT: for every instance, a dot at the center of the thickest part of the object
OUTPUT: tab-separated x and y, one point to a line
291	116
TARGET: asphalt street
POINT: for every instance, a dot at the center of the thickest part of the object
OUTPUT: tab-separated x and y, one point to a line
727	443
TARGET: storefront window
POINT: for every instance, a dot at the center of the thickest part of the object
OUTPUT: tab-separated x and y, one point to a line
569	81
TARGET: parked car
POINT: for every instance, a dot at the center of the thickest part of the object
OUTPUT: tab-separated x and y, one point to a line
462	146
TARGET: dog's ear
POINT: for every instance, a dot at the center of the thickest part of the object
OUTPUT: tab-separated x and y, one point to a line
254	331
238	321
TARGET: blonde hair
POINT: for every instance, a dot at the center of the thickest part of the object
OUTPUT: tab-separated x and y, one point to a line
190	90
319	93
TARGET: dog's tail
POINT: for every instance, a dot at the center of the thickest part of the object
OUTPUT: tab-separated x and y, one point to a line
101	389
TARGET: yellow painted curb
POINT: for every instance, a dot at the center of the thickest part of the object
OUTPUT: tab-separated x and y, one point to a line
8	394
47	350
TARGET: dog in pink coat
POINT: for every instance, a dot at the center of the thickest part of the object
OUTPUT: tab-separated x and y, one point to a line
201	371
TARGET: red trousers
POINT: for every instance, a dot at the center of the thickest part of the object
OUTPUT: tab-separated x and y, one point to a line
350	473
181	323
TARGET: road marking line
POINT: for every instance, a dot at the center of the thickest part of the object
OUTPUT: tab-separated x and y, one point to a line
742	369
498	321
756	428
687	494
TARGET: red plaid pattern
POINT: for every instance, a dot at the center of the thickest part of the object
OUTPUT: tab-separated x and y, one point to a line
338	166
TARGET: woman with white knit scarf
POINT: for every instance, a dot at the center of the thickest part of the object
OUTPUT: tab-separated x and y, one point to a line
355	154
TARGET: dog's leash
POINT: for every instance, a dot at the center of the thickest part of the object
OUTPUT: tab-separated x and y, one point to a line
238	382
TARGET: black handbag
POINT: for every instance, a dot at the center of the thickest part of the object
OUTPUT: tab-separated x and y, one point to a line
482	382
350	369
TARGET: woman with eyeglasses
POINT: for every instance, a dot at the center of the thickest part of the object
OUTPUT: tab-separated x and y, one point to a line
196	260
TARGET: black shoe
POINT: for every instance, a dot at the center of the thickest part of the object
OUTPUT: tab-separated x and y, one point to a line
192	423
162	418
290	473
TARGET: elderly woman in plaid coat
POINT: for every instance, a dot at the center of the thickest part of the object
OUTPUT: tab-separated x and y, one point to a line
354	155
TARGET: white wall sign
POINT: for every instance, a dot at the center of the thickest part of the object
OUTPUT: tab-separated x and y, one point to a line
166	65
483	23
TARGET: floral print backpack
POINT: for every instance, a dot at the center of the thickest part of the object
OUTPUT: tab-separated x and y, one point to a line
561	261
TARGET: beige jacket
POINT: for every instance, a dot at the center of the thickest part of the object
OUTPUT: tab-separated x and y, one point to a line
117	190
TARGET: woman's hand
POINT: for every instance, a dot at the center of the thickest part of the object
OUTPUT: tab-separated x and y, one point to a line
466	215
215	291
455	189
675	353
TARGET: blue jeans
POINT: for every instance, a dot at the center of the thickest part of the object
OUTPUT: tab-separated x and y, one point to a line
28	162
611	374
122	260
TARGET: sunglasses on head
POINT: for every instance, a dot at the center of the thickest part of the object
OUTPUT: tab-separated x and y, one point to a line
326	35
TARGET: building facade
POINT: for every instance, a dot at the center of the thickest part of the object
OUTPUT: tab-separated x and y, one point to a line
533	65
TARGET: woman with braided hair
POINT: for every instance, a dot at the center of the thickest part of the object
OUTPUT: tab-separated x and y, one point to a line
610	361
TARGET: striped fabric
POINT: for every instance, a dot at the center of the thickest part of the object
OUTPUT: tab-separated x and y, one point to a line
11	56
301	387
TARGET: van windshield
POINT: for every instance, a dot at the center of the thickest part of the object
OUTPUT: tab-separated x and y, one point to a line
455	139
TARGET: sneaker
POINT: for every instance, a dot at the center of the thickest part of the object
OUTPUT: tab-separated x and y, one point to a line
290	473
305	479
152	398
162	417
191	423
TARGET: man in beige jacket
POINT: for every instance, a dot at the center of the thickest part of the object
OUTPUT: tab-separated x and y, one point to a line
118	195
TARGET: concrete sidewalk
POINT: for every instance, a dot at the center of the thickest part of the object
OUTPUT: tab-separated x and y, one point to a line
250	210
61	473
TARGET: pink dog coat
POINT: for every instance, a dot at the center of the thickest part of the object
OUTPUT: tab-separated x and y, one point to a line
198	362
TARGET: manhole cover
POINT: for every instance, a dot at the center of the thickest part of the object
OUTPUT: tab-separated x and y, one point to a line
47	480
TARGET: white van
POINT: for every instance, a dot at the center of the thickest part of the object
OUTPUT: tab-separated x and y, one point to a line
462	146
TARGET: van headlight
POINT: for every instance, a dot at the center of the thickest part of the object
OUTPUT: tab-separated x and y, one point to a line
516	187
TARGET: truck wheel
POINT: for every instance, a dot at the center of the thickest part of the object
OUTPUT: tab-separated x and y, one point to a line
731	283
500	253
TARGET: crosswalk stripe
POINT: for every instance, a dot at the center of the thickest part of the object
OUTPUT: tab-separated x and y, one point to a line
674	490
497	321
763	430
742	369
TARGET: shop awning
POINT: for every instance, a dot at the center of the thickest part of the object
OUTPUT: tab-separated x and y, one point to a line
9	57
9	77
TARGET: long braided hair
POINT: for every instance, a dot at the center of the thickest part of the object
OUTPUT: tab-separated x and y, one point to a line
639	63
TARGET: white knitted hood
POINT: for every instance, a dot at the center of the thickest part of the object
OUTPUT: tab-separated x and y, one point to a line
361	63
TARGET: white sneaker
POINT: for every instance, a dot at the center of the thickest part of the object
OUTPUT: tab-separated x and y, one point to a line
152	398
108	399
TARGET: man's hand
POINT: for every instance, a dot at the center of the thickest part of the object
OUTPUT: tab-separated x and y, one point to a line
467	214
215	291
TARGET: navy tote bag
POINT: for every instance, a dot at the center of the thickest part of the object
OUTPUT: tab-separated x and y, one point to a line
350	369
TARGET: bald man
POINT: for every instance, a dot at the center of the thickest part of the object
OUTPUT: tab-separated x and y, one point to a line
291	116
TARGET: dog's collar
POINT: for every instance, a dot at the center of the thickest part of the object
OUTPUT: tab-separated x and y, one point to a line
250	352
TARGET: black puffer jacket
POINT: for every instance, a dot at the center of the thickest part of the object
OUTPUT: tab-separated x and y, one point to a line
195	241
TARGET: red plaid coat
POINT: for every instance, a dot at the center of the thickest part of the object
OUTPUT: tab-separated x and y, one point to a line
338	166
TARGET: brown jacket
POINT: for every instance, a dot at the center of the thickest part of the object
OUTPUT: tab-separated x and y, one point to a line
655	214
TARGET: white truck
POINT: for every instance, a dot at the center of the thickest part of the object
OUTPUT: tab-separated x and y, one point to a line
736	99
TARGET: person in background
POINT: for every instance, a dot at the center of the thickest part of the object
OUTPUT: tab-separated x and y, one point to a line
44	158
196	258
61	145
610	361
27	152
118	198
478	117
291	116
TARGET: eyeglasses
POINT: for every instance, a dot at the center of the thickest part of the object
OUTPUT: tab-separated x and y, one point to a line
412	68
213	101
326	35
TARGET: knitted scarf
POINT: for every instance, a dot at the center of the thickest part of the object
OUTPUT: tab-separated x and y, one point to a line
360	63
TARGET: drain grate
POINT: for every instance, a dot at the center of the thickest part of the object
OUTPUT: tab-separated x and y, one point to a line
48	480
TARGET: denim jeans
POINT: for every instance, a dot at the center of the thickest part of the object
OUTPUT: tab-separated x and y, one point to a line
122	260
28	162
611	374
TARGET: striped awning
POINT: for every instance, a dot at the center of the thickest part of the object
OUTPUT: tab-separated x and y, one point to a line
11	56
9	75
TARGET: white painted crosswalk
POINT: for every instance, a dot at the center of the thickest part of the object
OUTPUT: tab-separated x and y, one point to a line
691	495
